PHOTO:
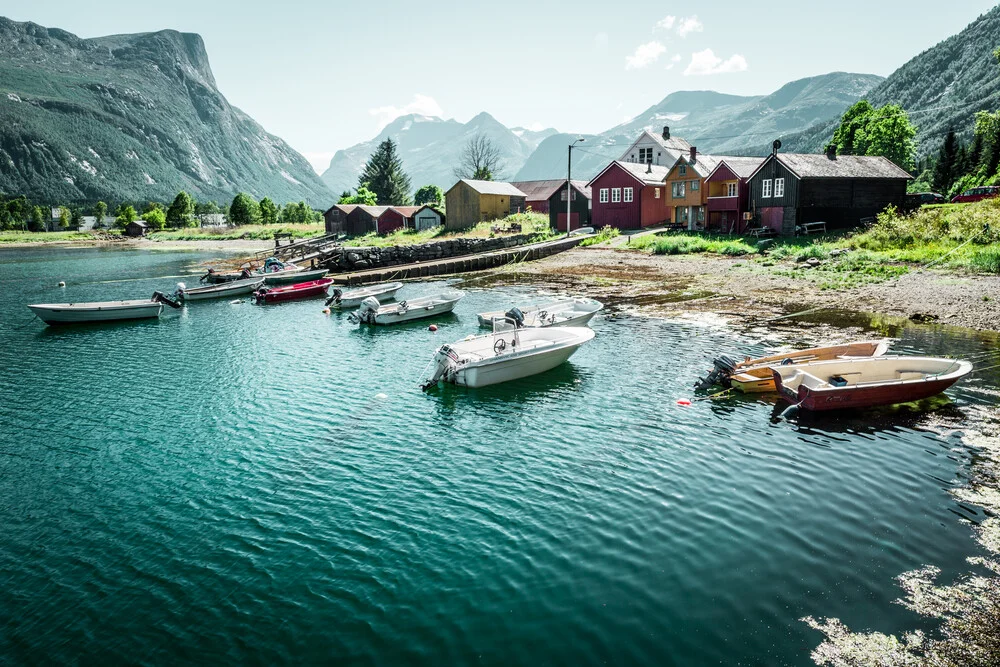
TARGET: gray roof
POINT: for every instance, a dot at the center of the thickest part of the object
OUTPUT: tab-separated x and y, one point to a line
374	211
493	188
743	167
671	144
702	165
841	166
543	190
650	174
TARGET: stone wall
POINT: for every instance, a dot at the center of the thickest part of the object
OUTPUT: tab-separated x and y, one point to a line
359	259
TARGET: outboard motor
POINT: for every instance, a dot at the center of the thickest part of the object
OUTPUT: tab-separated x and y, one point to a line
163	298
207	276
245	273
725	366
367	312
334	300
516	315
260	294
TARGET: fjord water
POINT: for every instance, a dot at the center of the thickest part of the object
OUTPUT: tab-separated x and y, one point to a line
226	484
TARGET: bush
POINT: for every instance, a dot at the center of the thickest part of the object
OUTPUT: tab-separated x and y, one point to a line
680	245
605	234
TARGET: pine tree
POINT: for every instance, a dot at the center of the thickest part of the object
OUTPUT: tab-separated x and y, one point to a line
944	171
383	174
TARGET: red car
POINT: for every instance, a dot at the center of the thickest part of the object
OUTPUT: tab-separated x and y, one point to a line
977	194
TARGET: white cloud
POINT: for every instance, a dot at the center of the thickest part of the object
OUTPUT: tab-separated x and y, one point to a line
645	54
421	104
601	40
676	58
689	25
706	62
666	23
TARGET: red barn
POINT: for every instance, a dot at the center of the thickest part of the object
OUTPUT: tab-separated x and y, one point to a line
390	220
630	195
729	193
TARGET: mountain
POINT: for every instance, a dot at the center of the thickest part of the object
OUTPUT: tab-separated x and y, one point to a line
714	122
942	88
131	118
430	149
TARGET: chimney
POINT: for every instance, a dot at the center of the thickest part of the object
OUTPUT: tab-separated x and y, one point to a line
666	133
649	167
831	151
694	154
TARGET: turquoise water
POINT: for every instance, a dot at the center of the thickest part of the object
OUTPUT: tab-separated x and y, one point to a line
225	484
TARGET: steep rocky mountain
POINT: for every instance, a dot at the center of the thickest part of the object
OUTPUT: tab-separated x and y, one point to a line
942	88
714	122
430	149
131	117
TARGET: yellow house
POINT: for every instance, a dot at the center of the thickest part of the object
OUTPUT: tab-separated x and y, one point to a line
470	202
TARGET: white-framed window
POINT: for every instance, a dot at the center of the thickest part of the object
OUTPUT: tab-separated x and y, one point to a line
779	187
732	189
604	195
677	190
628	193
645	155
695	185
657	195
765	189
616	195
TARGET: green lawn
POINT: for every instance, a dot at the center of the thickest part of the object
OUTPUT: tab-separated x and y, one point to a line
536	224
43	237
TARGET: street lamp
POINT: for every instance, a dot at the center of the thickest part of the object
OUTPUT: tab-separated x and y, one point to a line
569	185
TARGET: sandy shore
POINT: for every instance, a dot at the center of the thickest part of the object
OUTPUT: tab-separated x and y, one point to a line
734	288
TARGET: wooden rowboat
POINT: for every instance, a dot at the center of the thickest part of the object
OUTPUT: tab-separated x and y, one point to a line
864	383
753	376
293	292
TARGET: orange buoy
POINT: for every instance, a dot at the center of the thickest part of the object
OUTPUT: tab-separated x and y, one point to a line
684	401
326	311
433	327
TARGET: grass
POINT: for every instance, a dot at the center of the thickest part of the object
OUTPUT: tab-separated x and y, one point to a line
42	237
246	232
605	234
535	224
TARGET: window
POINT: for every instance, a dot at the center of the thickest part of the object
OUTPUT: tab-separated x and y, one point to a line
731	189
657	195
765	189
682	170
682	214
645	155
677	190
616	195
628	195
701	214
695	185
604	195
779	187
562	195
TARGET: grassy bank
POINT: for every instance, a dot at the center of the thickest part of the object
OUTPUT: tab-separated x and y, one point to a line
44	237
960	237
246	232
536	224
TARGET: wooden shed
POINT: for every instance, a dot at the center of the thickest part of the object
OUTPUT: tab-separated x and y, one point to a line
364	220
470	202
136	228
335	218
426	217
789	190
537	193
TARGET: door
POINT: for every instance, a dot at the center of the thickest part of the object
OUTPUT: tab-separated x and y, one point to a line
574	221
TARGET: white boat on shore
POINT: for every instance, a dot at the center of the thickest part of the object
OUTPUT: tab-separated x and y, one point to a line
102	311
235	288
565	312
352	298
503	356
373	312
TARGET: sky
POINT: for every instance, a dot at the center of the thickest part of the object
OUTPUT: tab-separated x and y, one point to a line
327	74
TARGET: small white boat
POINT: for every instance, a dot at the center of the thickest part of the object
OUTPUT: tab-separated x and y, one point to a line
373	312
234	288
102	311
506	355
566	312
291	276
352	298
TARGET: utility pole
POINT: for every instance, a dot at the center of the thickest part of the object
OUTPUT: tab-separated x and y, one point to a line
569	185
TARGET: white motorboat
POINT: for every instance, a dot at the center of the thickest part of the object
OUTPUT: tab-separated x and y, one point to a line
102	311
502	356
291	276
566	312
352	298
234	288
373	312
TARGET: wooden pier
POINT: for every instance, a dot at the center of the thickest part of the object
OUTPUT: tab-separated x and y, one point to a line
461	264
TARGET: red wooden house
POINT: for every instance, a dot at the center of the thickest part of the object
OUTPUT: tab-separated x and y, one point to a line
728	187
630	195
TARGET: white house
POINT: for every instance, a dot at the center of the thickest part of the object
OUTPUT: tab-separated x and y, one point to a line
662	149
426	217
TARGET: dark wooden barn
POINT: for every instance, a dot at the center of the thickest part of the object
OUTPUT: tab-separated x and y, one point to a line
789	190
335	218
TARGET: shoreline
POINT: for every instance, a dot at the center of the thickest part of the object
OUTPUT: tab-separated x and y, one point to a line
227	245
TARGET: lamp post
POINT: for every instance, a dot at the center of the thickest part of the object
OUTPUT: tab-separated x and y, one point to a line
569	185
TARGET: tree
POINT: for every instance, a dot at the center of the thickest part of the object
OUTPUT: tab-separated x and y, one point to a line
64	217
244	210
19	210
124	215
297	213
429	194
100	210
207	208
383	174
37	221
944	171
988	132
268	211
179	213
852	122
364	197
156	218
889	133
75	217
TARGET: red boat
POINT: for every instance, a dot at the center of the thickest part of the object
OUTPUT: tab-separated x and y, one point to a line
292	292
866	382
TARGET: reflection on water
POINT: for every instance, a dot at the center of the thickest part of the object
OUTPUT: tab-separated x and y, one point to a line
243	483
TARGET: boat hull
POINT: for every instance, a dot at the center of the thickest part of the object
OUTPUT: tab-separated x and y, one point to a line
224	289
105	312
507	369
290	277
418	313
864	397
294	292
349	301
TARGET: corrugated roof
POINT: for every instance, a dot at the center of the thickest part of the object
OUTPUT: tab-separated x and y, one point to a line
842	166
539	190
493	188
373	211
344	208
741	166
702	165
650	174
583	187
407	211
